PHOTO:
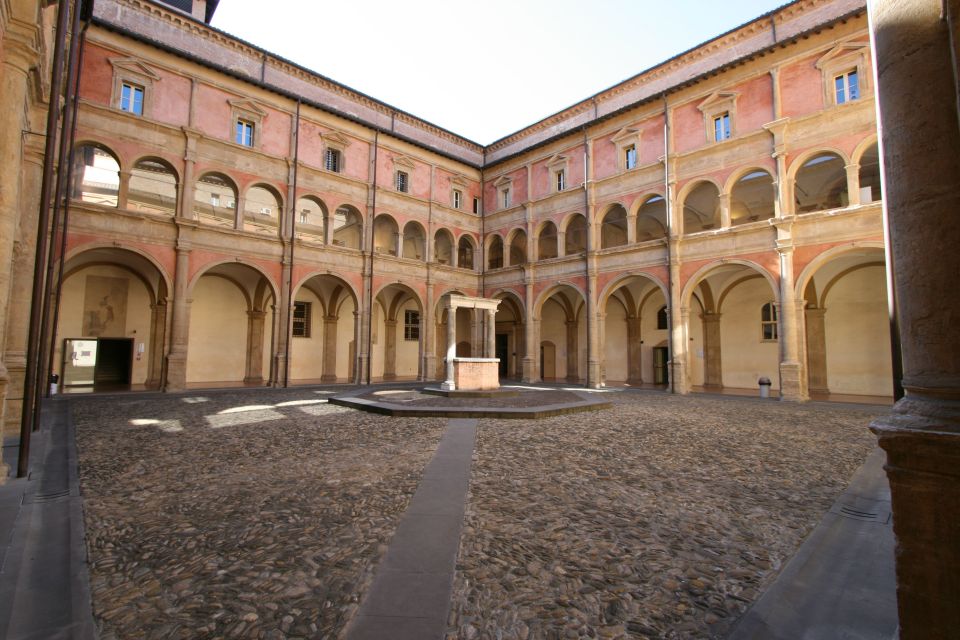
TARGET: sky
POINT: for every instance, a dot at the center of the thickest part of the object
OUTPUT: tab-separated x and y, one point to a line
482	70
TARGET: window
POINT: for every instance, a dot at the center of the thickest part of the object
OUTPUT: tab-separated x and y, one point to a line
411	325
131	98
630	157
505	198
561	180
847	86
215	199
662	323
304	216
457	199
721	127
331	160
301	319
768	322
403	181
476	205
244	134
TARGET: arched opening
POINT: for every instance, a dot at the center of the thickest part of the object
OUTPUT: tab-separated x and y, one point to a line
231	327
821	183
323	345
613	231
495	253
518	248
96	175
215	200
396	352
870	175
310	219
465	253
261	210
443	247
347	227
414	241
153	187
752	198
847	327
386	236
509	343
701	208
632	334
562	325
652	219
547	242
113	319
575	237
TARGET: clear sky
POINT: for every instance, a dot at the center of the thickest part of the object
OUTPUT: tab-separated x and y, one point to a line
481	69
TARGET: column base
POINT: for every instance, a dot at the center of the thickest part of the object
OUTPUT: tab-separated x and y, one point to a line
528	371
176	372
678	376
448	385
328	377
793	382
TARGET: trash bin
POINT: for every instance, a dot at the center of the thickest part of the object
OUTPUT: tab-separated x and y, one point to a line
54	382
764	387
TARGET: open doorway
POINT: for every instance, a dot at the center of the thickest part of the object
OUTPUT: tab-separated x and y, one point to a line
100	362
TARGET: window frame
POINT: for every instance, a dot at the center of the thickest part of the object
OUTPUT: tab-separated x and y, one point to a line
134	89
844	80
625	139
132	72
476	206
304	320
251	113
401	181
332	160
720	108
411	329
841	60
664	314
457	198
245	132
769	321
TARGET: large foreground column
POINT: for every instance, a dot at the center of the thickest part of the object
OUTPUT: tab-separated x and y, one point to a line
921	138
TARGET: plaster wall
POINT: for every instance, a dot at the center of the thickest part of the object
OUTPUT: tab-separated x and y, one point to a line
615	342
745	357
306	354
218	328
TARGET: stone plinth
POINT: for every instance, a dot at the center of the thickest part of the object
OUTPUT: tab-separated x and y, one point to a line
476	373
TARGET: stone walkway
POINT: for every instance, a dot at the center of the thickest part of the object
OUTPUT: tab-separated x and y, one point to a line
265	514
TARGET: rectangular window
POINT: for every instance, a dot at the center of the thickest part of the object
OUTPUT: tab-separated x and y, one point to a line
403	181
768	322
457	198
505	198
244	133
331	160
304	216
630	157
215	199
847	87
561	180
411	325
301	319
476	205
721	127
131	98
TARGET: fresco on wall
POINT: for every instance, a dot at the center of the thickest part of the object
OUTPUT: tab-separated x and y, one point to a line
105	306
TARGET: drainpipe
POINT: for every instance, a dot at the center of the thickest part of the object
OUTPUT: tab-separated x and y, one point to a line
370	230
589	240
482	249
669	207
293	242
27	416
64	189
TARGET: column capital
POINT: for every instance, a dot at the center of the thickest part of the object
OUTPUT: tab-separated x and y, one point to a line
19	51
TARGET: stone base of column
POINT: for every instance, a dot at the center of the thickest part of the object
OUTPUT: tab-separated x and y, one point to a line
922	441
176	372
528	373
253	380
678	374
389	376
793	382
328	377
448	385
594	375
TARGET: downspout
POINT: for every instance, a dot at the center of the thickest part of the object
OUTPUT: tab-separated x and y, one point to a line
370	230
669	207
483	232
293	242
64	189
589	240
29	409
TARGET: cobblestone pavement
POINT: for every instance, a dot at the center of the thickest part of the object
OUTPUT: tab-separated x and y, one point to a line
663	517
525	398
239	515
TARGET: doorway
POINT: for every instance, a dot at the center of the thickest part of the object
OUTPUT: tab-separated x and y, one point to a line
548	360
501	351
104	362
661	356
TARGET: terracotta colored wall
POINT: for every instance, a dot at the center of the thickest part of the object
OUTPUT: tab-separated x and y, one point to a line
688	131
801	88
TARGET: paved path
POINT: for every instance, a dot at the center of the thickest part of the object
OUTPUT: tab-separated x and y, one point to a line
410	595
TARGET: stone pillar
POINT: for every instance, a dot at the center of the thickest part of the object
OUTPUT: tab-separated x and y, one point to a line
712	356
354	373
428	337
594	332
853	184
389	349
180	325
793	376
255	325
634	350
573	348
561	243
531	341
330	324
679	323
123	193
724	210
816	351
491	351
917	75
158	326
448	384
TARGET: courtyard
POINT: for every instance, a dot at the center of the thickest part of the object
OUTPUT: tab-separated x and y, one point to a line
264	514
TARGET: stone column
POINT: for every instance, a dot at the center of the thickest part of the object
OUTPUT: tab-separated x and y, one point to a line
561	243
354	374
330	324
158	325
491	333
389	349
793	376
724	210
531	342
428	339
679	322
594	331
816	351
573	348
853	184
917	76
448	384
712	356
123	193
634	350
631	229
255	325
180	325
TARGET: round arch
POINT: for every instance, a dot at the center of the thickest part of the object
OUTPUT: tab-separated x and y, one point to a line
702	272
803	279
